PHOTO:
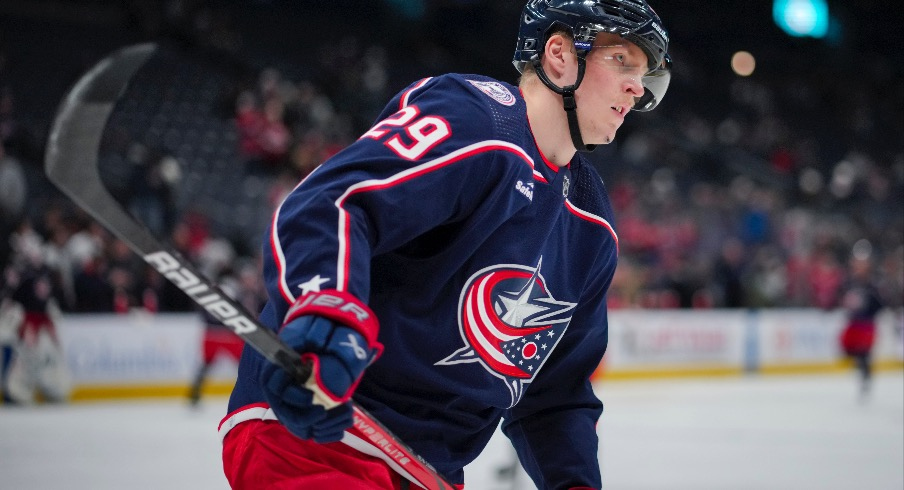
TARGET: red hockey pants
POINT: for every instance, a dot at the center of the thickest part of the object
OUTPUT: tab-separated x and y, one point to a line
263	454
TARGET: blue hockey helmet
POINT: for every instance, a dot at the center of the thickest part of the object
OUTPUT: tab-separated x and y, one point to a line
633	20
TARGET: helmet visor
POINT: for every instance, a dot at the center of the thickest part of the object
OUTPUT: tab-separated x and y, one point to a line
655	83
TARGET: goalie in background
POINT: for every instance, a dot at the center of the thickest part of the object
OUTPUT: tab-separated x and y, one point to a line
28	319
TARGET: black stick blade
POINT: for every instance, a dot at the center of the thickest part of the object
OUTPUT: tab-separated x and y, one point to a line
84	112
72	149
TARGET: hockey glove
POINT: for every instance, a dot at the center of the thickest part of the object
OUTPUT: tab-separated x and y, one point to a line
337	335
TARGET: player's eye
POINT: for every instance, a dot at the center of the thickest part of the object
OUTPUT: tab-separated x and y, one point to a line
620	61
615	57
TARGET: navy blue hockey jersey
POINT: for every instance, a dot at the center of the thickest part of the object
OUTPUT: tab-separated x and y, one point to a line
486	265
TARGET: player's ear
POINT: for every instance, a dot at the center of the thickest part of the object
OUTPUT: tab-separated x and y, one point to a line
558	56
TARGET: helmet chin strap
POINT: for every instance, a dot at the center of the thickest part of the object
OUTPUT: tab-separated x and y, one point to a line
571	106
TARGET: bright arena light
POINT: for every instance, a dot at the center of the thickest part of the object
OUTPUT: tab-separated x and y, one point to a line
802	17
743	63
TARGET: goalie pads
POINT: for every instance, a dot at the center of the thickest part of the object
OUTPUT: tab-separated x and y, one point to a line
11	316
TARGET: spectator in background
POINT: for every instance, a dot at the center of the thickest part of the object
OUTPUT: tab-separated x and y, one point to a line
11	132
13	191
826	276
728	275
274	137
150	188
93	290
891	278
187	238
123	268
87	247
247	120
264	139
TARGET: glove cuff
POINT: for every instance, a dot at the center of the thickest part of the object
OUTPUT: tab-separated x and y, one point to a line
340	307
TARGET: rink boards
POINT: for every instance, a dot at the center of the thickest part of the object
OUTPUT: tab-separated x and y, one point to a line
141	355
663	343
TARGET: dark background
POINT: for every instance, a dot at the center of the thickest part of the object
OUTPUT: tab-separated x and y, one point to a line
723	159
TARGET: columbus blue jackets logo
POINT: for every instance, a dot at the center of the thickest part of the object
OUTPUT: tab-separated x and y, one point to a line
496	91
510	323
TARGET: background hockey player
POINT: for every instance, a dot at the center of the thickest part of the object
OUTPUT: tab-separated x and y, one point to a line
219	340
34	362
450	269
862	301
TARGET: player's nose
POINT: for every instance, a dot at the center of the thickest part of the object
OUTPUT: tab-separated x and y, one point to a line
633	85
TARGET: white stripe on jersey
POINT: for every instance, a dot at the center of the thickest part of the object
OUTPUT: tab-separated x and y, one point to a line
408	174
276	246
592	218
404	101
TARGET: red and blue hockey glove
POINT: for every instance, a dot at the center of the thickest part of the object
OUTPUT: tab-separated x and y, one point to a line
337	335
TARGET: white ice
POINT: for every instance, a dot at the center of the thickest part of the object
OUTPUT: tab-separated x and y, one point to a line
770	433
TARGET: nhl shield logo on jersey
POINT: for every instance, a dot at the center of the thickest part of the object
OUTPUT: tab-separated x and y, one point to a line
510	323
496	91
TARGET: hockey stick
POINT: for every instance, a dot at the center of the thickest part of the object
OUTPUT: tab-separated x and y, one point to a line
71	164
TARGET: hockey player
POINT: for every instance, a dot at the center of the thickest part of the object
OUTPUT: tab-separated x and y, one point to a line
219	340
450	269
862	302
36	365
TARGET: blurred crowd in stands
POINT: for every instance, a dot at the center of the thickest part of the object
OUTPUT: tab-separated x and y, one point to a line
758	193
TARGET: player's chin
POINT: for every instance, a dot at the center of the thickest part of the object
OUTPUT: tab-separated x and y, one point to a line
601	131
606	138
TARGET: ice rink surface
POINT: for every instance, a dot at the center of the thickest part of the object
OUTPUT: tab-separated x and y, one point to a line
757	433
